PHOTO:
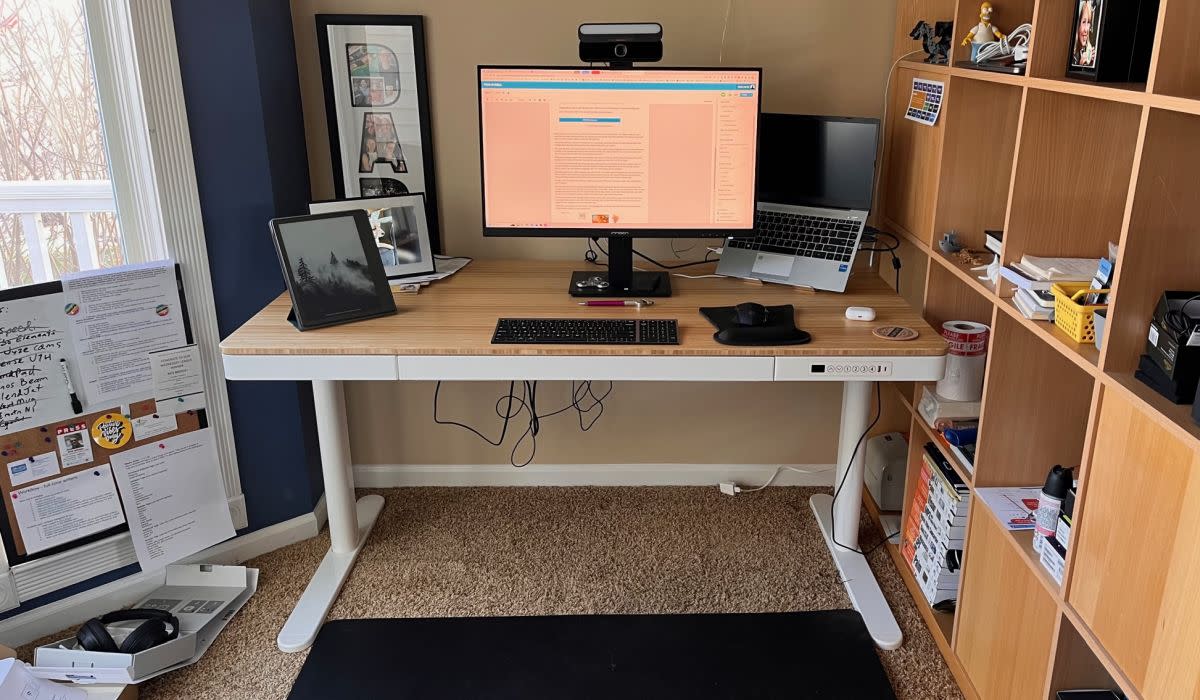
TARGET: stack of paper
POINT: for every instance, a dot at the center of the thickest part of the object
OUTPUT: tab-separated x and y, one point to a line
1033	272
444	266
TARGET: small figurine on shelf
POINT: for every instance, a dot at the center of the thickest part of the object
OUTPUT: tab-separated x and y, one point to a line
949	242
935	40
983	32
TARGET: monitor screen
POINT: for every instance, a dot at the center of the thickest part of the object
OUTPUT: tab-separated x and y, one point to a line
598	151
817	161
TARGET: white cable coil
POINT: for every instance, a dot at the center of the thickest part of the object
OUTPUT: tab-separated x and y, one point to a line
1016	42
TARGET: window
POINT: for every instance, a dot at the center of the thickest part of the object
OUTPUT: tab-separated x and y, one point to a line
57	206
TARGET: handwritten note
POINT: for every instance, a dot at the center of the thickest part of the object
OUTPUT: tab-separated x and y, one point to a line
33	337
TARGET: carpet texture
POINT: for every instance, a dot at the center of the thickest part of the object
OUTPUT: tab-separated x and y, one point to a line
439	552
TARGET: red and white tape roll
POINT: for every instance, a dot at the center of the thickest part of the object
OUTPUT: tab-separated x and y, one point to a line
965	360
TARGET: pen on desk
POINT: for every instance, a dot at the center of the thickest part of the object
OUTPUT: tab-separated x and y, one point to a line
617	302
76	405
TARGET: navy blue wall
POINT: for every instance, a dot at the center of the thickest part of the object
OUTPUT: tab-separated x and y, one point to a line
238	61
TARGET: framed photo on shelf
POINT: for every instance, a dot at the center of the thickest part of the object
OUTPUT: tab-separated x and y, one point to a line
1111	40
399	230
377	108
1085	38
332	269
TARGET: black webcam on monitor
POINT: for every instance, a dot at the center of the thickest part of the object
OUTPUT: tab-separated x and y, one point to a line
621	44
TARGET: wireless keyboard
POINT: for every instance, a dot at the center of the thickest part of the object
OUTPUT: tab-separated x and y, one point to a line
586	331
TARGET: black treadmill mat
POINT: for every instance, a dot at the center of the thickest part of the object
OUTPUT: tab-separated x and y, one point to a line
822	654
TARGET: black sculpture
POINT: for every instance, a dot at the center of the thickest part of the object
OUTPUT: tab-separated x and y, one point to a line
935	40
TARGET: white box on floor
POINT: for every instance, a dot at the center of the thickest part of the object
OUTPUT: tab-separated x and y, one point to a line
204	597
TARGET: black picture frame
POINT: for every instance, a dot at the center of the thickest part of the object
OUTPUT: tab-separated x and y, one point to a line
1121	40
384	178
345	288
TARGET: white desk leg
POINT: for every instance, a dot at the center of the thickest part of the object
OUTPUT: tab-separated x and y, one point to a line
843	520
349	522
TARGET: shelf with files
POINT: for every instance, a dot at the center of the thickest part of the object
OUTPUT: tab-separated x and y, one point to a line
940	624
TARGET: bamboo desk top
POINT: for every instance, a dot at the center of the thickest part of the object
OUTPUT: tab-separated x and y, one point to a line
457	316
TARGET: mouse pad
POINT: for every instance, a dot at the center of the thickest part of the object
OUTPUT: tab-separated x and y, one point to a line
780	328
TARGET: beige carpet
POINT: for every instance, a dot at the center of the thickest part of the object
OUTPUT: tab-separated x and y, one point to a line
522	551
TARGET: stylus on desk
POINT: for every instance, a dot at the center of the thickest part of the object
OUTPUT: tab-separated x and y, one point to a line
617	302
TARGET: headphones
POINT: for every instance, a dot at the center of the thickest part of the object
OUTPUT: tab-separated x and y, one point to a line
94	634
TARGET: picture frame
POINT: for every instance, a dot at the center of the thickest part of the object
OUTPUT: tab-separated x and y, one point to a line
348	285
399	229
1112	40
377	108
1087	23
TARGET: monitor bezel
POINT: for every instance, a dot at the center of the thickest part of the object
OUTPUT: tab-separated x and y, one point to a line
548	232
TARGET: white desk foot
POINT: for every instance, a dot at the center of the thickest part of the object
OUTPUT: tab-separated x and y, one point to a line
309	614
860	580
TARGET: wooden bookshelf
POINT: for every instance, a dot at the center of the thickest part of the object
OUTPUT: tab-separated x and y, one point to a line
1063	167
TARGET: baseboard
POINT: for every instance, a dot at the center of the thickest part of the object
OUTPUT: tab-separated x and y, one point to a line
72	611
381	476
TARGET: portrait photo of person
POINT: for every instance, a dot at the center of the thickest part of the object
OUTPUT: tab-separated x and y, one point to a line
1087	29
361	96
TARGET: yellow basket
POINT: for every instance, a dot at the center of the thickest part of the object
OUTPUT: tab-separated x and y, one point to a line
1075	319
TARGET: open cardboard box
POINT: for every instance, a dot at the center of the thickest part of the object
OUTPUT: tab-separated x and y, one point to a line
96	691
204	597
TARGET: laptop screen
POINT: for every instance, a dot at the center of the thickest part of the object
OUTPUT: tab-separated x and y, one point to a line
817	161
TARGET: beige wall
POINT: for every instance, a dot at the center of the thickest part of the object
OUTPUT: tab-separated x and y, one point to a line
818	56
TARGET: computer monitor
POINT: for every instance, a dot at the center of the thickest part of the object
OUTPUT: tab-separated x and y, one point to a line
618	153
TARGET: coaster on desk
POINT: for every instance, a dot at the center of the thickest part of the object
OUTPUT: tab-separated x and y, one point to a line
895	333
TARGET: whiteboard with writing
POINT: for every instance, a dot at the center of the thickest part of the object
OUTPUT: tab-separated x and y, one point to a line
33	339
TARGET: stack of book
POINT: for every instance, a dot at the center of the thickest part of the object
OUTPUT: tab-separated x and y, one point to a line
936	525
1033	276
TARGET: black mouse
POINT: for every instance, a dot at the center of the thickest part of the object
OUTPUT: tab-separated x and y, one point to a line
751	314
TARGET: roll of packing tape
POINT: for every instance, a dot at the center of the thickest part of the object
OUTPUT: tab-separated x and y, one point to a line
965	360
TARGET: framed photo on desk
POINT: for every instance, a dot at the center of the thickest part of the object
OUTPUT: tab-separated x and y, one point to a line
399	227
377	108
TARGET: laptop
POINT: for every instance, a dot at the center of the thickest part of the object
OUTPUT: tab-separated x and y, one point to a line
816	176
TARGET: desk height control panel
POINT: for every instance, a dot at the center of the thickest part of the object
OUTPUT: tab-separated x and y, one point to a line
852	369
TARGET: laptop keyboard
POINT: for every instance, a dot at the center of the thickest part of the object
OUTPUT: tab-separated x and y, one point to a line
817	237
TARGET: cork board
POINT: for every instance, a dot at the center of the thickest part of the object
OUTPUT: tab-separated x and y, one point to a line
40	440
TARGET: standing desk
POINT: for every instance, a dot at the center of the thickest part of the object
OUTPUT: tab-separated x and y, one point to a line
444	333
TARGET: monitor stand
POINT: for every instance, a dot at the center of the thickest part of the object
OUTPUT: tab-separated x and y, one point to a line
621	280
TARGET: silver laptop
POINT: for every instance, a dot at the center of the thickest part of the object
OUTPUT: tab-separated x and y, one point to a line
816	176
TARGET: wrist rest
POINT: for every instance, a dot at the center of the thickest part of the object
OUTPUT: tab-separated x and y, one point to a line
780	328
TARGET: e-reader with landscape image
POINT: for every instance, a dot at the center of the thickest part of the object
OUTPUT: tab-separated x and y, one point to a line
333	271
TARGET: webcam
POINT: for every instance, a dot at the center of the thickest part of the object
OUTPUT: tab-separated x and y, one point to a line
621	44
